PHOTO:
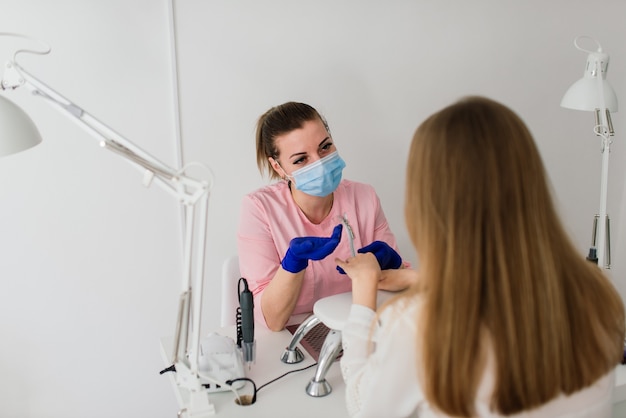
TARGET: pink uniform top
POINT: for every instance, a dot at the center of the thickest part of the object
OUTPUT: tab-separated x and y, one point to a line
270	219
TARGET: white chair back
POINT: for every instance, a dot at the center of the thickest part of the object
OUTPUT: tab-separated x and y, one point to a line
230	296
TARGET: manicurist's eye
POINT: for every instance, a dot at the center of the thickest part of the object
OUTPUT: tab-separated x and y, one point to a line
299	161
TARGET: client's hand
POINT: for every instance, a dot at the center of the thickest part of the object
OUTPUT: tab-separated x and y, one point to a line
395	280
365	273
387	257
303	249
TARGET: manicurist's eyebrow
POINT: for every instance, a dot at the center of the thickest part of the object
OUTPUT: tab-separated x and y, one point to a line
324	141
303	153
297	154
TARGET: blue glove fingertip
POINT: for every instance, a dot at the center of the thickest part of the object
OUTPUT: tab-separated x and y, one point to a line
337	232
371	248
387	257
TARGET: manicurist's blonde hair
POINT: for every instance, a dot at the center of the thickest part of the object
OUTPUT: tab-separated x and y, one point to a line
497	267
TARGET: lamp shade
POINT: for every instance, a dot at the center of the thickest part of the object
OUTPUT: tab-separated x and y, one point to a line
17	130
585	93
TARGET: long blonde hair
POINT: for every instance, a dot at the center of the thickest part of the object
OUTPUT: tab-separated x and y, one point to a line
495	260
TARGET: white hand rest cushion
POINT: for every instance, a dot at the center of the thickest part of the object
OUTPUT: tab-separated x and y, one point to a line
333	310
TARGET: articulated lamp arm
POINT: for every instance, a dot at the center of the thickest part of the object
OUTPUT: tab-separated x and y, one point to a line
191	192
172	180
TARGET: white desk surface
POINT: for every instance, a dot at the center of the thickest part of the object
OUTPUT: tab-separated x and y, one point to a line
285	397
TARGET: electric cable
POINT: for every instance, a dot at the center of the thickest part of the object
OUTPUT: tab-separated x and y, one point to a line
285	374
257	389
47	48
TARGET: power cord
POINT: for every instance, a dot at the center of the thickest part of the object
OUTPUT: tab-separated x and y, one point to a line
246	399
285	374
243	399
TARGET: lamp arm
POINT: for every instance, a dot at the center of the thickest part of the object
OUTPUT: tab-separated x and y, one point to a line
191	192
603	129
173	181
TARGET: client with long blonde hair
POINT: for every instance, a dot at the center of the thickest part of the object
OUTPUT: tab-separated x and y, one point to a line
505	316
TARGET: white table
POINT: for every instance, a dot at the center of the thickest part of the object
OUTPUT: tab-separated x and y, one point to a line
287	397
283	398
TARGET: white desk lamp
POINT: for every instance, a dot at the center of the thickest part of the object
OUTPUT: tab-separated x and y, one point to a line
18	133
594	93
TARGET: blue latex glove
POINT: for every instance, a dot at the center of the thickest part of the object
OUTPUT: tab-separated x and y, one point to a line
387	257
303	249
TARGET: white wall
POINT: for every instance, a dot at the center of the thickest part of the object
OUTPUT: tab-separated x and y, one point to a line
89	272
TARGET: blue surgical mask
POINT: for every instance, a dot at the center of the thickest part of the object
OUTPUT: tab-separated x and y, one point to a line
320	178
